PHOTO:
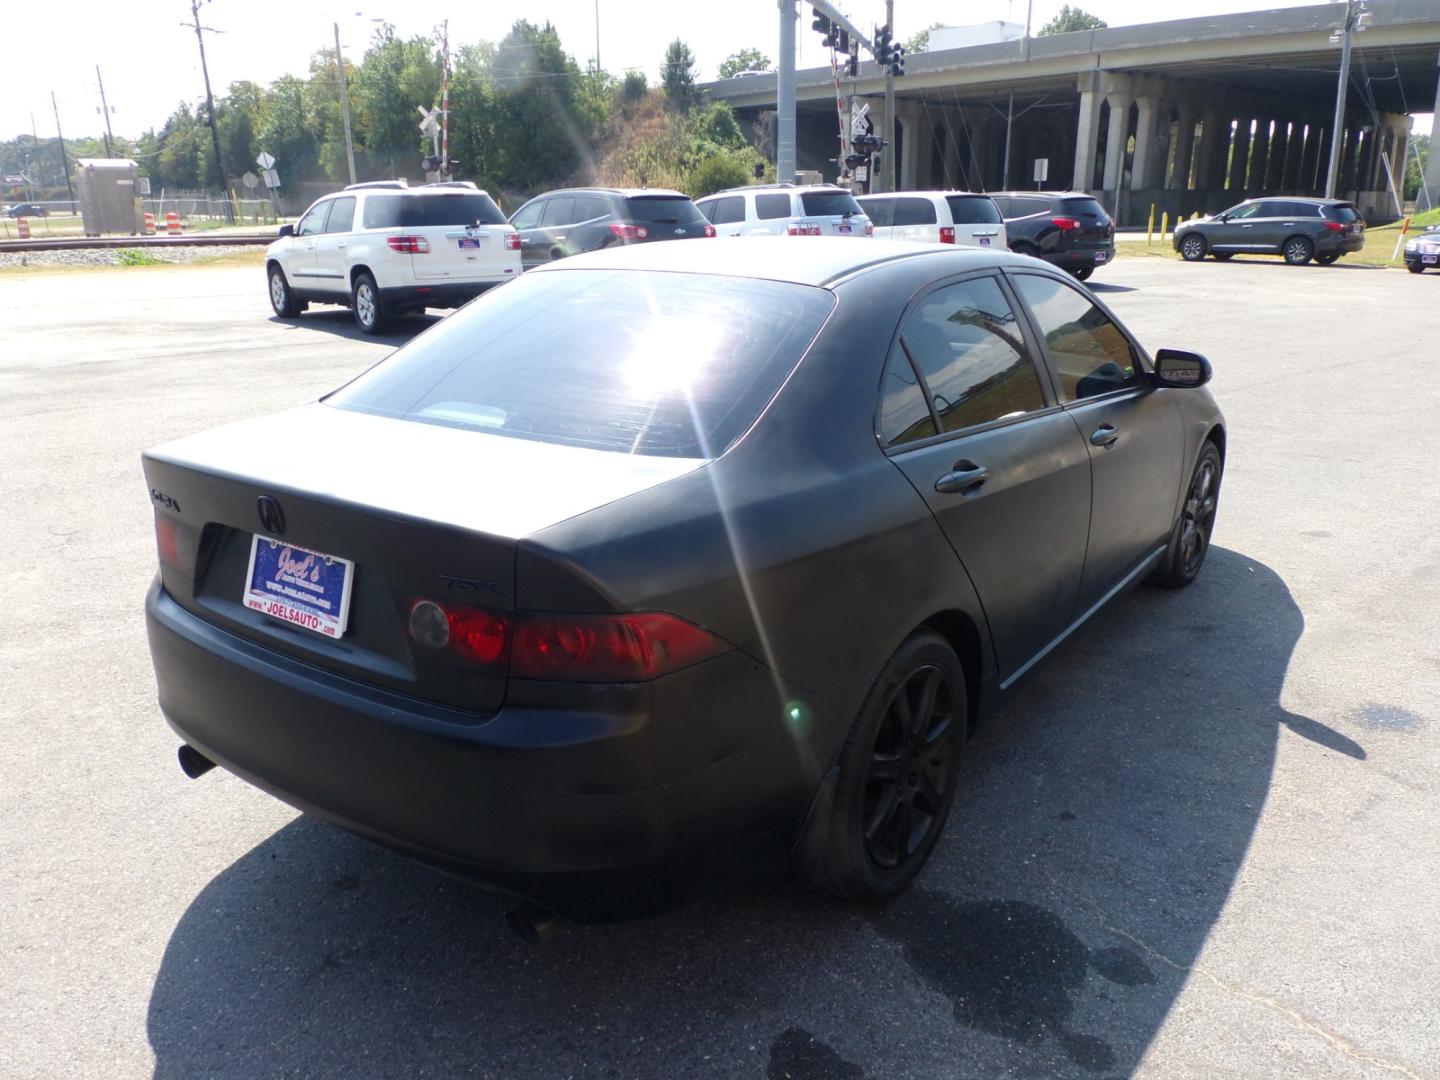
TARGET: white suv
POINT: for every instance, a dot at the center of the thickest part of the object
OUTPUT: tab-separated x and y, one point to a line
785	210
386	249
937	217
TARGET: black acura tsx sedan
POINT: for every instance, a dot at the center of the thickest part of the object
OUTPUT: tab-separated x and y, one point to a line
670	564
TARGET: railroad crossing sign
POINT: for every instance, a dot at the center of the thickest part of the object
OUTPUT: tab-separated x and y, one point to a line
859	118
430	120
265	161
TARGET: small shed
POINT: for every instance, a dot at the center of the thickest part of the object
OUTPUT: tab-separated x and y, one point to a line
109	195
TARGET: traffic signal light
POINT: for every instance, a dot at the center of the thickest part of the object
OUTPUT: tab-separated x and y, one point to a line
852	68
842	42
821	24
884	50
897	60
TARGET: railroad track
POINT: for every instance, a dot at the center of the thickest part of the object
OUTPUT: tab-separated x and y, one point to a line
74	243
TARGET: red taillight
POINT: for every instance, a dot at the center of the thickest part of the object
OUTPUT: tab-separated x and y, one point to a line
167	540
947	234
629	232
512	241
869	230
409	245
608	648
803	228
1065	224
1335	226
472	634
709	230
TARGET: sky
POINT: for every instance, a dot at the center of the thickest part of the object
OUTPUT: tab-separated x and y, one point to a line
150	62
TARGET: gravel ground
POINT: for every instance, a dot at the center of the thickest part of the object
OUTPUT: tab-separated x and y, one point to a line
112	256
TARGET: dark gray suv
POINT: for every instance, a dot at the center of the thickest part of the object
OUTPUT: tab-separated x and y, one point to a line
1296	228
561	223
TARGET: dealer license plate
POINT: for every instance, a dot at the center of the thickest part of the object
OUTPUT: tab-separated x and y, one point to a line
1429	258
844	230
1101	256
305	588
469	243
984	241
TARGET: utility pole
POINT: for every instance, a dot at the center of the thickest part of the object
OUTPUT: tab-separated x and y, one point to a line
785	96
105	108
64	162
1010	113
210	111
445	101
345	105
890	154
1337	129
598	69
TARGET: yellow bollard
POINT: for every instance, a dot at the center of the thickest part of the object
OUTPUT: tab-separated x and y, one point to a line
1400	240
1164	226
1150	227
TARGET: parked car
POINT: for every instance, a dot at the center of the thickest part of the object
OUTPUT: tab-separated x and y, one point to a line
26	210
385	249
1423	250
1295	228
785	210
667	564
1068	229
936	217
563	223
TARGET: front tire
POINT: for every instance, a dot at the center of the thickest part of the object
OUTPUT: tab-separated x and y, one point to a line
897	775
282	300
1190	542
1298	251
1415	268
1223	256
365	305
1193	248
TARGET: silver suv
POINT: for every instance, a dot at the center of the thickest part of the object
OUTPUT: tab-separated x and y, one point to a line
385	249
785	210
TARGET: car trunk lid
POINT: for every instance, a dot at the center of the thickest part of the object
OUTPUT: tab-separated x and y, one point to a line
1096	227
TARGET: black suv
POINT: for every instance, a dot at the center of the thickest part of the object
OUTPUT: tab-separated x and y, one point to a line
1068	229
567	222
1298	229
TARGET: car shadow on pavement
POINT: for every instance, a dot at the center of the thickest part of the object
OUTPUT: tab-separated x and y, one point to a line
341	323
1106	286
1102	819
1261	260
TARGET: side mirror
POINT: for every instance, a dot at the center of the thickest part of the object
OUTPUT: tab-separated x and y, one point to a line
287	230
1181	370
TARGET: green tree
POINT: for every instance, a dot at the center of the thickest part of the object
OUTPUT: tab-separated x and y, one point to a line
284	133
1072	18
474	138
716	173
179	160
678	75
238	114
395	76
537	86
920	41
744	60
1415	170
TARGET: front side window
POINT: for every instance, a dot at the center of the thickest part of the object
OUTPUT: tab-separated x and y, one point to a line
342	215
1243	211
914	212
314	220
1090	353
966	344
773	206
528	216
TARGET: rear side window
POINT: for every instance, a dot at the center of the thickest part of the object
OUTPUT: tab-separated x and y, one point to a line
973	210
828	203
342	215
725	211
675	365
662	210
772	206
904	413
966	343
881	212
430	211
558	211
1021	207
1342	212
590	207
914	212
1090	353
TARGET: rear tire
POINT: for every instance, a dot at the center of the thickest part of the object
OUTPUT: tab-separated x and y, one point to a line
1190	542
1193	248
1023	248
897	775
1327	259
1223	256
366	306
1083	274
281	298
1298	251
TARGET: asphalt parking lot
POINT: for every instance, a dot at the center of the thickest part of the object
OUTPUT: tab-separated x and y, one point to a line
1200	839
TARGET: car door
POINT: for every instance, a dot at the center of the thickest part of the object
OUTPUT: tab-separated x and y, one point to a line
299	259
773	211
527	223
1283	220
332	261
553	235
915	219
968	416
1235	229
727	214
1132	431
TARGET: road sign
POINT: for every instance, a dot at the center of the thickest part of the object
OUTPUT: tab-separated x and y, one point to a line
862	174
250	180
1042	169
430	123
265	161
144	185
272	178
858	112
16	180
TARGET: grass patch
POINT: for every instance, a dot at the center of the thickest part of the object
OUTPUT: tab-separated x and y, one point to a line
137	257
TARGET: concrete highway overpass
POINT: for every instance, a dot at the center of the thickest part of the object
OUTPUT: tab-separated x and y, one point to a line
1188	115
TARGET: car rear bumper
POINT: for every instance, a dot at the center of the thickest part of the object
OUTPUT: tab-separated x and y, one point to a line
593	801
1076	257
439	295
1344	246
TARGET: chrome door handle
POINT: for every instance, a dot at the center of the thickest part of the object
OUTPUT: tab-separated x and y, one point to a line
1104	435
963	479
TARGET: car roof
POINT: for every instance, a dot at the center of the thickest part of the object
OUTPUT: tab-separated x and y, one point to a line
937	194
626	192
820	261
1047	194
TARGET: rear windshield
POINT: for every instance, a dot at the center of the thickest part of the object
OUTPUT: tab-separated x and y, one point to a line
973	210
1344	212
829	203
1084	206
420	211
675	365
663	210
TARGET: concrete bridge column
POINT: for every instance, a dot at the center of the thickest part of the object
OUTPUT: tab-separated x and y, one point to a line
1207	152
1240	158
1317	156
1294	155
916	142
1279	156
1119	134
1432	166
1087	132
1259	153
1184	148
1146	148
1399	161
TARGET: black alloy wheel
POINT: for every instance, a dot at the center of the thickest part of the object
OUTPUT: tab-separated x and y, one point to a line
1193	248
1191	541
897	773
1298	251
